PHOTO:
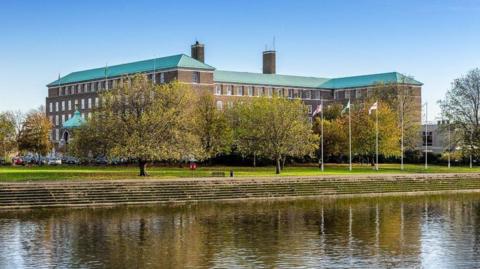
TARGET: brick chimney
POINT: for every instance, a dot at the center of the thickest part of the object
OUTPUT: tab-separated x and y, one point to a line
269	65
198	51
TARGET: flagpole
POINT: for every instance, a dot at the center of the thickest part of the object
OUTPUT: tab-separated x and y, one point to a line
402	131
350	132
376	139
426	135
449	144
321	104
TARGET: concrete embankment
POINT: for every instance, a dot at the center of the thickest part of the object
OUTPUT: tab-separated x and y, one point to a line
149	191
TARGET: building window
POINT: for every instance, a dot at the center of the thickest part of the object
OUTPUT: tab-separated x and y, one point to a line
278	92
218	90
316	95
96	102
358	93
63	119
309	109
69	104
259	91
57	134
162	77
269	92
219	105
297	93
76	103
63	105
83	104
89	102
94	86
57	120
51	118
196	77
239	90
83	115
290	93
89	115
307	94
347	94
50	106
56	106
427	139
250	91
229	90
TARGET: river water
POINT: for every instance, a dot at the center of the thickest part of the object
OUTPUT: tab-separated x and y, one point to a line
395	232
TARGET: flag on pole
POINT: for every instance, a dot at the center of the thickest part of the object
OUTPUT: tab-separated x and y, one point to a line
346	107
373	107
317	110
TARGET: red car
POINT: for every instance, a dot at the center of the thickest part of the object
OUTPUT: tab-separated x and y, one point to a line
18	161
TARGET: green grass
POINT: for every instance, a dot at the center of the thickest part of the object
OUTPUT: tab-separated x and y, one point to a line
94	173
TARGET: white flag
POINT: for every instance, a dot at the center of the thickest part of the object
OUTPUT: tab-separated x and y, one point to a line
317	110
346	107
373	107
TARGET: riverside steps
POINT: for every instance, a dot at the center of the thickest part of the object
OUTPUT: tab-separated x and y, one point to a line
150	191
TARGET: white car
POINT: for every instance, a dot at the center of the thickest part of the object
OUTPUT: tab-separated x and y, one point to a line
54	161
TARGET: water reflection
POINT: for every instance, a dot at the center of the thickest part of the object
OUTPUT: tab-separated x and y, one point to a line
432	232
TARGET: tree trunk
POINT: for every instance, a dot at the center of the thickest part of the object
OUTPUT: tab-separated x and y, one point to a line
283	162
254	160
277	166
142	165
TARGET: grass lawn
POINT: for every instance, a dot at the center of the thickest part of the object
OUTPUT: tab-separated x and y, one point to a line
109	172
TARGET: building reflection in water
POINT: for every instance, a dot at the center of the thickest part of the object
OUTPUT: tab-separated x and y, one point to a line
434	232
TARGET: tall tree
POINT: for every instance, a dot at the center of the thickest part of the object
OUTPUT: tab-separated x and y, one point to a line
212	126
7	133
145	122
462	107
34	135
278	126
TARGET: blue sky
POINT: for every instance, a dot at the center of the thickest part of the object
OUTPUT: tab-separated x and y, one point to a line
434	41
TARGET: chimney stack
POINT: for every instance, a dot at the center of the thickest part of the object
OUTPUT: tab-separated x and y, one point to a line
269	65
198	52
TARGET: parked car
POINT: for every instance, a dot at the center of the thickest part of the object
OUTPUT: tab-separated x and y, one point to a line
70	160
18	161
101	161
54	161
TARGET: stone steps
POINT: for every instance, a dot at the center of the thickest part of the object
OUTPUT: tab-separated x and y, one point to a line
37	194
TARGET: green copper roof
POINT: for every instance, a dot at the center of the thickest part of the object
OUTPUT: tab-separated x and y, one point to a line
175	61
267	79
312	82
369	80
75	121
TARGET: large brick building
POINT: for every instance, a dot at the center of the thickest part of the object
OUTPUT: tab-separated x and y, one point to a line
78	90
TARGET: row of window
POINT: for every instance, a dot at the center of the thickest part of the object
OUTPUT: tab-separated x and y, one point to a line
94	86
85	103
230	105
348	94
231	90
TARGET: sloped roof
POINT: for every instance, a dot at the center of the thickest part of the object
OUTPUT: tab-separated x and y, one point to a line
312	82
75	121
267	79
174	61
369	80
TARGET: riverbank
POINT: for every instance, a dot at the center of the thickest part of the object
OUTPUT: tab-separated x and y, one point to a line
14	195
61	173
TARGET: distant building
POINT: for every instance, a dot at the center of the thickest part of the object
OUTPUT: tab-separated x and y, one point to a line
79	90
435	138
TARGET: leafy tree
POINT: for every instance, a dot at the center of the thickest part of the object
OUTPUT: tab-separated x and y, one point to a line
462	108
364	131
335	135
278	126
34	135
212	126
7	133
405	101
143	121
